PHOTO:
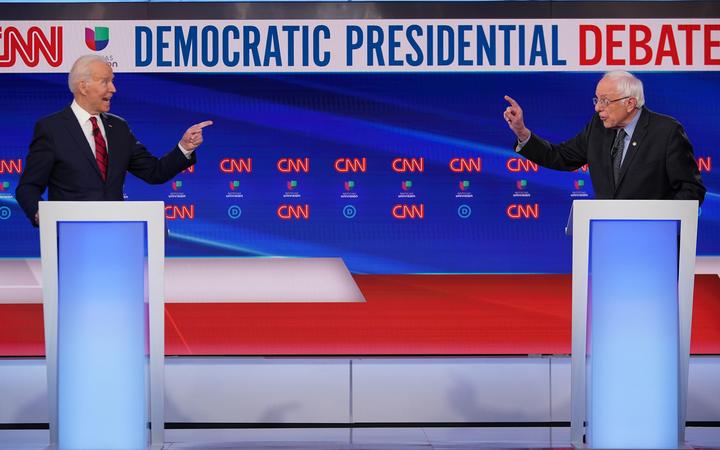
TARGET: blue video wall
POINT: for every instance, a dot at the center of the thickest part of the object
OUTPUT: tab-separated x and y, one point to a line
393	172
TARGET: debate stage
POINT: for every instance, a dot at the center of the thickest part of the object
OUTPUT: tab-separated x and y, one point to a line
459	360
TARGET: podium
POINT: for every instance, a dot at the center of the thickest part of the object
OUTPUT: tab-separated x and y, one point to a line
632	289
102	268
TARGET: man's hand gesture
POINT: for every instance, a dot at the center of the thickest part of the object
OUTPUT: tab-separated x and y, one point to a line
193	137
514	117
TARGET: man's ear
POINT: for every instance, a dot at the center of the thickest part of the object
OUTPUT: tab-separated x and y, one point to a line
632	101
82	87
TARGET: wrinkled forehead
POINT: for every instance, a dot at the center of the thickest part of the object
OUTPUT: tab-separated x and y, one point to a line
607	88
100	70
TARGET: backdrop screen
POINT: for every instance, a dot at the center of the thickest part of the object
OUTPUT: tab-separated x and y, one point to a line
499	214
395	171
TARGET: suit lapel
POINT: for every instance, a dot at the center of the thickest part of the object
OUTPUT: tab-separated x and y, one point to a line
608	138
636	141
73	127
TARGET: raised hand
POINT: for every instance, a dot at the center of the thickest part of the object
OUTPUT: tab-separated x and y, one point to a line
514	117
193	137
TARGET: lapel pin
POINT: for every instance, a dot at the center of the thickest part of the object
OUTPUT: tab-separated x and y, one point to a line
634	144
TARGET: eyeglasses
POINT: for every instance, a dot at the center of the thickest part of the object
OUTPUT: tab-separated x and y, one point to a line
603	102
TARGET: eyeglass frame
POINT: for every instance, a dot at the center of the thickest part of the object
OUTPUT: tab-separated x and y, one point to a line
604	102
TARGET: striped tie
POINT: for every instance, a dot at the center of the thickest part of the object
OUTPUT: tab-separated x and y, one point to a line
617	154
101	155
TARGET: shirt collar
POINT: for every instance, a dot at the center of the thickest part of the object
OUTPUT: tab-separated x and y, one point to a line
82	115
630	128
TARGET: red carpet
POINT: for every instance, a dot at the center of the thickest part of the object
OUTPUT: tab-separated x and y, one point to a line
403	315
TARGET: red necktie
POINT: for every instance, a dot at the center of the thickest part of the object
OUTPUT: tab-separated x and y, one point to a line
100	149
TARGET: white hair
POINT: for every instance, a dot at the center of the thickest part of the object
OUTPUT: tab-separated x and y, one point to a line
628	85
81	70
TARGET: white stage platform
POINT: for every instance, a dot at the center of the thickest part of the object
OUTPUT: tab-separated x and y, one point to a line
494	392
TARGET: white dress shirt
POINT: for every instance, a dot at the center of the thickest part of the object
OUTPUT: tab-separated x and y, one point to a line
83	118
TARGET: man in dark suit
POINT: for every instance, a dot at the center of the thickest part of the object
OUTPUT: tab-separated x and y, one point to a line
84	153
631	152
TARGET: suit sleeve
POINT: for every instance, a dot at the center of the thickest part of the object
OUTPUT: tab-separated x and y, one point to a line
682	170
569	155
157	170
38	168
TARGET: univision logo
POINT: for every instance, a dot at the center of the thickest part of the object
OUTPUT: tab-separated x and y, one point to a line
97	39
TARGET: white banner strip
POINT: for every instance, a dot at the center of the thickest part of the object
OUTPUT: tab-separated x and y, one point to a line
365	46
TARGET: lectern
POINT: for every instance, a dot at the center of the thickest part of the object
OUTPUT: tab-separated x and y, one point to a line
102	266
632	288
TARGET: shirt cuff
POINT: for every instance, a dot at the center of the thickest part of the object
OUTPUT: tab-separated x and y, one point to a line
520	144
187	153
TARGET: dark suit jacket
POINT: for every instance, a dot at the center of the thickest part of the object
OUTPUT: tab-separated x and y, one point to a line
61	160
659	163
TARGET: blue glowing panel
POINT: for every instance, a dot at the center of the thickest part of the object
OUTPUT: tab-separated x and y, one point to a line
101	335
633	335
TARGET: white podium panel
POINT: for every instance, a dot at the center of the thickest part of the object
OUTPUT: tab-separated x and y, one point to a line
633	273
104	322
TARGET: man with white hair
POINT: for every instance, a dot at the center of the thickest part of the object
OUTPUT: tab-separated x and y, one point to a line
631	152
84	153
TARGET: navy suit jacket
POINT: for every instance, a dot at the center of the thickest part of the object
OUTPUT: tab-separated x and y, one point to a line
61	160
659	163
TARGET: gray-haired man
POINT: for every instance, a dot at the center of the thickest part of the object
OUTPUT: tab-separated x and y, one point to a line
631	152
84	153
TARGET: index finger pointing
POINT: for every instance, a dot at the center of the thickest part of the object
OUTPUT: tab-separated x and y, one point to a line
512	101
201	125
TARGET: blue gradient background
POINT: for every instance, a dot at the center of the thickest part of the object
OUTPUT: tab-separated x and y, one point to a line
377	116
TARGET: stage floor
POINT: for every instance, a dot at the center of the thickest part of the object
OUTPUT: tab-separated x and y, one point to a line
359	439
401	315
